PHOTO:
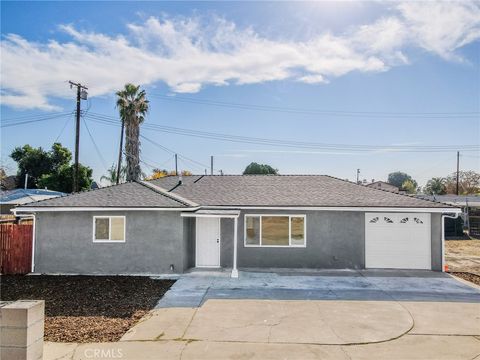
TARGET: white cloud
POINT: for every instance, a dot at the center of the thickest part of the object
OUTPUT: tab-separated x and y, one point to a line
190	53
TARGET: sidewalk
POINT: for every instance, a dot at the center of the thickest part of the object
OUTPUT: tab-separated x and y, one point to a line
279	329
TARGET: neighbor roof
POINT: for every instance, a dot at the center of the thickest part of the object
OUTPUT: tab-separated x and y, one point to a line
131	194
23	196
285	191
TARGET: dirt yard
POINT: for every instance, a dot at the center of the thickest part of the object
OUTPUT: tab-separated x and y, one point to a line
87	308
463	259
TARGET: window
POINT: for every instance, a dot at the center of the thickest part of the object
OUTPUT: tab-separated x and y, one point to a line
109	229
275	230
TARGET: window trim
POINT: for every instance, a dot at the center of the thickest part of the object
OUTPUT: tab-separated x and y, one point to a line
109	217
290	245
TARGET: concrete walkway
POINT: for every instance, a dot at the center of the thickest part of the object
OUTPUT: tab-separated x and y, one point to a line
279	329
231	324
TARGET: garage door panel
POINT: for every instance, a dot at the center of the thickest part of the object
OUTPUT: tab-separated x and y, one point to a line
397	240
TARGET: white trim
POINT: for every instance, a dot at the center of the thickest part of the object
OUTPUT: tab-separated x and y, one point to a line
55	209
443	238
277	208
213	213
108	241
235	245
339	208
33	242
290	216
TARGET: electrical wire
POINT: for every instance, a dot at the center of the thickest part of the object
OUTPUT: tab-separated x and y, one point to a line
63	129
10	124
256	107
288	143
99	153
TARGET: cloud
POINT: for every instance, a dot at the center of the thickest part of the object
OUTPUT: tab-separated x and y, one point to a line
189	54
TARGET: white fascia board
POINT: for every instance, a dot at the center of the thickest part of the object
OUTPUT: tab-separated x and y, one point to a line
193	215
361	209
71	209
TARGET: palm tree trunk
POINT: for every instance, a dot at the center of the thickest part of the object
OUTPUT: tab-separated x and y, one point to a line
132	145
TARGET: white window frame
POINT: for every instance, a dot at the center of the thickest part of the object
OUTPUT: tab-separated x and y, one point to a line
109	229
290	216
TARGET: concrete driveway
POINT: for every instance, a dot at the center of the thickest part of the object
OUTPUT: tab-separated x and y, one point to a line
192	289
308	315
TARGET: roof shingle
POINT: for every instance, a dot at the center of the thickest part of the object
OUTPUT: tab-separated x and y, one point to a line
285	190
131	194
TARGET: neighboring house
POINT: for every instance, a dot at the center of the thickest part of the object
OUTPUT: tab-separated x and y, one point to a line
170	225
470	205
10	199
8	183
382	185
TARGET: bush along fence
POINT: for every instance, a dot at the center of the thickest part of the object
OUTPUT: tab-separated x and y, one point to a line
16	248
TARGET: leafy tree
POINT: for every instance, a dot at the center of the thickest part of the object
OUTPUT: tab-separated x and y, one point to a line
435	186
409	186
159	173
133	106
37	162
469	183
62	179
259	169
111	175
397	179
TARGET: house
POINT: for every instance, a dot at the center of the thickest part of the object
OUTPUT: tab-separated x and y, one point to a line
173	224
382	185
470	205
11	198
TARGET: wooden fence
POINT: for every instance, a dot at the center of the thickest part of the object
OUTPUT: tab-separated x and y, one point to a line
16	248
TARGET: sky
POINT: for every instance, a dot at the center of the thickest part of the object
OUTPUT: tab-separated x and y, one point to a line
307	87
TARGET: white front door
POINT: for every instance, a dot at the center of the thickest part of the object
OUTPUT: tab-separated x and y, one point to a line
398	240
207	252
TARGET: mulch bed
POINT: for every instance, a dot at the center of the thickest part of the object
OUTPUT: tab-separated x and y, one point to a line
87	308
473	278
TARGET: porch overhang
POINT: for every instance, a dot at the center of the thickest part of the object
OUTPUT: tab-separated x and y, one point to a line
229	214
225	214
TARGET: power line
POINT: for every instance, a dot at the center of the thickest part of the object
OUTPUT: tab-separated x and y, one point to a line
99	153
11	124
288	143
33	116
63	129
257	107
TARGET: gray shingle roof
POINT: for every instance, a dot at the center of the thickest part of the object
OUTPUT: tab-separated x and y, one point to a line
240	190
131	194
285	190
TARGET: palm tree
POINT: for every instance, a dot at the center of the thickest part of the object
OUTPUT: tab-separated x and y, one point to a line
435	186
133	106
112	174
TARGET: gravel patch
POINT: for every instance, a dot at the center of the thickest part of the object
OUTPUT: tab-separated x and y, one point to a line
473	278
87	308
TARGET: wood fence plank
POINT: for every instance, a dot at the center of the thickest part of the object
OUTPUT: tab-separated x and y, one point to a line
16	248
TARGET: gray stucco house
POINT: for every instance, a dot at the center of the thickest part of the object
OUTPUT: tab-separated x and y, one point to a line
173	224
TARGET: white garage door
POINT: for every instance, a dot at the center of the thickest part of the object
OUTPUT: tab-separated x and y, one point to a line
397	241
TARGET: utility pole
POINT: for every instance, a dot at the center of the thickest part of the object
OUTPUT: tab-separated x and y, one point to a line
358	175
119	168
176	165
81	95
458	168
26	181
211	165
